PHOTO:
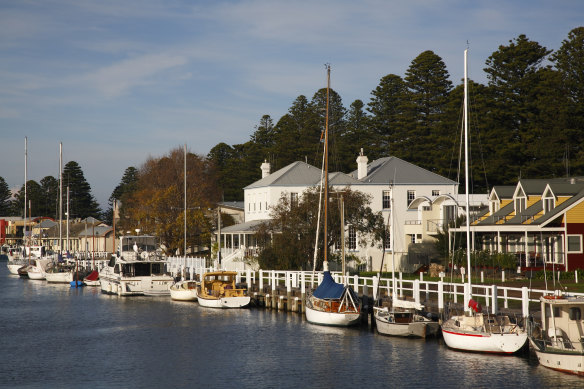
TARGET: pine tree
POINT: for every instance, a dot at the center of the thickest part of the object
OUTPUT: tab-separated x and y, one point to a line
81	202
5	199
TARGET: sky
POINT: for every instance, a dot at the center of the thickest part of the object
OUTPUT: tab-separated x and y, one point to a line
117	82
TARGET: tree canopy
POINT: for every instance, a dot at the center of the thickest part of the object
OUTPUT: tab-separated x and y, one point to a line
527	121
156	204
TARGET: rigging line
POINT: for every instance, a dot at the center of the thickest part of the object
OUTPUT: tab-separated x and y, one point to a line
473	99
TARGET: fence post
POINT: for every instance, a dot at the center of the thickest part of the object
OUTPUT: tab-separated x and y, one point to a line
503	276
401	285
356	283
416	291
494	306
289	291
261	280
248	278
506	302
303	290
440	298
375	287
525	301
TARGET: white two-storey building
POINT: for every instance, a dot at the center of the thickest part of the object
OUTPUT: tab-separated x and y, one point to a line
383	179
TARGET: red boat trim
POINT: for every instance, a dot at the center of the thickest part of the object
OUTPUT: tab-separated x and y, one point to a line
458	333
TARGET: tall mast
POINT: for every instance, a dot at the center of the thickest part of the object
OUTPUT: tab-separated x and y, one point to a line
328	84
61	197
468	248
25	178
185	200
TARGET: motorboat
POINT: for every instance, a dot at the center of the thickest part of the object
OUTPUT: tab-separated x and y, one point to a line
185	290
137	269
38	270
557	341
219	290
404	318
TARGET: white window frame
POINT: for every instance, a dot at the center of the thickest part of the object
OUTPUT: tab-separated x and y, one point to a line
579	237
386	199
352	239
411	196
549	203
435	192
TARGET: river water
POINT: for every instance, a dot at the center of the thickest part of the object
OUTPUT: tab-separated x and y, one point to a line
54	336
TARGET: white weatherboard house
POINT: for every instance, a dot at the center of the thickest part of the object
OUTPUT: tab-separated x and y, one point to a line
382	179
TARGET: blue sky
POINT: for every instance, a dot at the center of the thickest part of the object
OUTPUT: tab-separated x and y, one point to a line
120	81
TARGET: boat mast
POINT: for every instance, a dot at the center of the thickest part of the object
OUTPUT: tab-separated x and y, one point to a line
185	202
25	178
468	248
328	84
60	197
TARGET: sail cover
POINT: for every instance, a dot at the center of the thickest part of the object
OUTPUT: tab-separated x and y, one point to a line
328	288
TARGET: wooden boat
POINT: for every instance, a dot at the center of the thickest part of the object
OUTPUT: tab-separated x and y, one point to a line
184	290
475	330
218	290
558	340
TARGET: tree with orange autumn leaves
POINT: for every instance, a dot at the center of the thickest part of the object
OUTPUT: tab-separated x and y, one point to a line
156	205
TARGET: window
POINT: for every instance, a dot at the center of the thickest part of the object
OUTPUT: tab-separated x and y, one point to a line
413	238
494	206
520	204
411	196
386	199
574	243
293	199
352	238
548	204
575	313
435	192
387	243
426	208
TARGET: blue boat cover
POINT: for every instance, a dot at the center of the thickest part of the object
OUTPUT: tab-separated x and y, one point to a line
328	288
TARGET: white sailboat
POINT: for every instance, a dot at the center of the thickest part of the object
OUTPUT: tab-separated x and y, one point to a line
184	290
475	330
331	303
403	318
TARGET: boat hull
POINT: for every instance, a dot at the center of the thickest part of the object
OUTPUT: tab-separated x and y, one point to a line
508	343
59	277
413	330
332	318
224	302
13	268
560	360
183	291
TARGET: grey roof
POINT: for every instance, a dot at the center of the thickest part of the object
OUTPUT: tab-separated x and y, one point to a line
501	213
566	189
240	205
505	191
338	178
95	231
46	223
398	171
559	210
296	174
250	226
527	214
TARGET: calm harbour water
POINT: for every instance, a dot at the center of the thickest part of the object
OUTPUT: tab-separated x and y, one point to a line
54	336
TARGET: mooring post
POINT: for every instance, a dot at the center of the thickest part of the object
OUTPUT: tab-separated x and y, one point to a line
440	298
303	290
274	301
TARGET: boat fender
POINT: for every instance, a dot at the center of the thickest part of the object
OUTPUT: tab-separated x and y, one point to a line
109	288
475	306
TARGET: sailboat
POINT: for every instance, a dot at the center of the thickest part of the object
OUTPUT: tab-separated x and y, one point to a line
18	260
475	330
331	303
184	290
404	318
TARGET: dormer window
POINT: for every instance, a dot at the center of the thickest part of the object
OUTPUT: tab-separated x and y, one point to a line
520	204
549	203
494	206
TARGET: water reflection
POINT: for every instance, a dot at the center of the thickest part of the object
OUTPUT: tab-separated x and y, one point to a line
71	335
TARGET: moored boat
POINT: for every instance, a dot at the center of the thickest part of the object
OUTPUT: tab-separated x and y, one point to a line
557	342
185	290
137	269
404	318
219	290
